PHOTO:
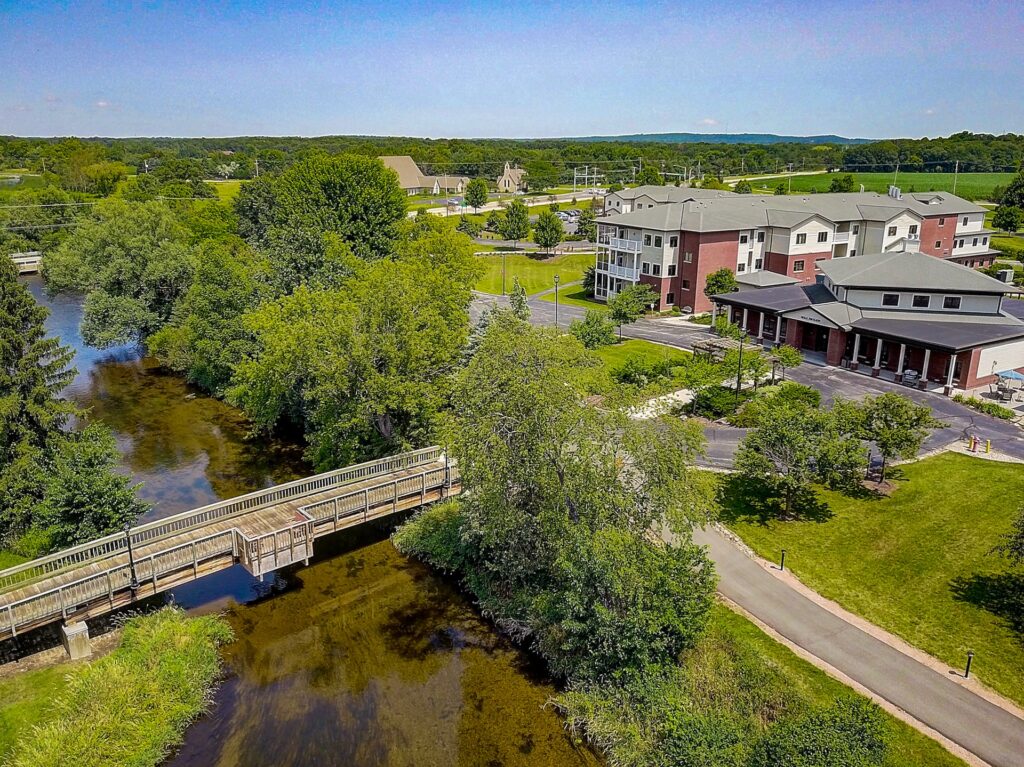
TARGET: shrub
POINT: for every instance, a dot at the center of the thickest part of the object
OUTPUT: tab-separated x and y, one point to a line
701	319
850	732
468	226
594	330
435	536
718	402
787	394
988	408
639	371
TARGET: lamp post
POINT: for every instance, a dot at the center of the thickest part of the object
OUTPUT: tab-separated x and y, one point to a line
556	302
133	584
739	371
503	272
967	671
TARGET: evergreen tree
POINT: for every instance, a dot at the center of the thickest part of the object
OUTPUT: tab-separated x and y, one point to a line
518	300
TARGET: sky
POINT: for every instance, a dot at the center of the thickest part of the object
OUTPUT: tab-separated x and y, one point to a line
522	69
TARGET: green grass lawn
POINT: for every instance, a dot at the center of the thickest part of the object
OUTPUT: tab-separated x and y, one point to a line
24	701
535	273
918	563
907	746
615	355
971	185
9	559
227	190
574	295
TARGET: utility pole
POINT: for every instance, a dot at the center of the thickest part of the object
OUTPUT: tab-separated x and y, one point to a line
257	167
894	175
956	172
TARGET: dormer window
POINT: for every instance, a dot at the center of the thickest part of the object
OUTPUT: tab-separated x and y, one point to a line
892	231
801	238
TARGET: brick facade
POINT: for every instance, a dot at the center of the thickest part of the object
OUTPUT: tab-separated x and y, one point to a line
710	252
941	230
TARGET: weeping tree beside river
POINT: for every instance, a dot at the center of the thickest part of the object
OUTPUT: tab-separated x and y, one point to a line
57	484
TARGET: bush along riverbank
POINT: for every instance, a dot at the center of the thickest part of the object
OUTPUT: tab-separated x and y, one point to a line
552	538
128	708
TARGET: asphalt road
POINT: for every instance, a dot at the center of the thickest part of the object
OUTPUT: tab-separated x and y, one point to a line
932	697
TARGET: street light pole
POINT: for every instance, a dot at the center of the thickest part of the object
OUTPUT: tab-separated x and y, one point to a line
739	371
556	302
133	584
503	272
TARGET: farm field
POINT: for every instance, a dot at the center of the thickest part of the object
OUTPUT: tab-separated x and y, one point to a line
974	186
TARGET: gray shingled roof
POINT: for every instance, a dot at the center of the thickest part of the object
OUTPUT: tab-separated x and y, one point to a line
913	271
748	211
668	193
952	336
764	279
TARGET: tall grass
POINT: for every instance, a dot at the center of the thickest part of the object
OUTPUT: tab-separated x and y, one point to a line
131	707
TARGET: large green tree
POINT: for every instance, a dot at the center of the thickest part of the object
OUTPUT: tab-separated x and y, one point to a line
561	500
1008	218
133	261
476	193
514	225
720	281
895	424
631	304
364	366
548	231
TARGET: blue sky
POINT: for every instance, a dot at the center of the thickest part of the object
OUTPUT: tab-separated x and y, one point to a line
518	69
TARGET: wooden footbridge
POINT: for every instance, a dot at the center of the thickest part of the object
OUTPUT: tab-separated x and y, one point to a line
262	531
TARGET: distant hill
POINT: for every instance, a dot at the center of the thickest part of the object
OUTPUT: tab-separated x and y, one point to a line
726	138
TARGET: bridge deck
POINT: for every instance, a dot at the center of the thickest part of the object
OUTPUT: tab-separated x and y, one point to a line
261	539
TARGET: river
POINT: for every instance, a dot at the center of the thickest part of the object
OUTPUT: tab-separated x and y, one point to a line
362	658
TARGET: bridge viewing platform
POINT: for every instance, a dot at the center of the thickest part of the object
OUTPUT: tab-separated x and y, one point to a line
262	531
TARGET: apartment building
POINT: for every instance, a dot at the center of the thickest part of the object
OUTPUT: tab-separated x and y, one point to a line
672	238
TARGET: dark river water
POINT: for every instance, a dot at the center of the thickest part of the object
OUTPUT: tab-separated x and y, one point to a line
362	658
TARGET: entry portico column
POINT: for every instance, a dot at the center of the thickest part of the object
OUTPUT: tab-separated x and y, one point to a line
878	358
778	329
899	365
924	368
854	364
949	375
714	314
760	327
744	319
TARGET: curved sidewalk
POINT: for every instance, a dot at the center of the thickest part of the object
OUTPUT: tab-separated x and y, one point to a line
991	733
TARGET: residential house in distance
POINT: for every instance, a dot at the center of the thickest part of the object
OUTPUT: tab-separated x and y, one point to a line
902	315
673	237
413	180
512	180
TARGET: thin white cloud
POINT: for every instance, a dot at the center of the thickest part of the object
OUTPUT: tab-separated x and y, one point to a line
709	121
50	98
931	111
102	104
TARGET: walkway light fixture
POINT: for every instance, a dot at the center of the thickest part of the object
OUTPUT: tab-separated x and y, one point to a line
133	584
556	301
739	370
970	657
782	562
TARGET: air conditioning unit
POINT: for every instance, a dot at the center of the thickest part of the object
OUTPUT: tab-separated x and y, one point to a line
1005	275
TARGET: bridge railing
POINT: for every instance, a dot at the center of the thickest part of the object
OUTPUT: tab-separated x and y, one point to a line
153	531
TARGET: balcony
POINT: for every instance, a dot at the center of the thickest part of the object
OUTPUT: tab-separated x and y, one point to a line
841	238
618	243
622	272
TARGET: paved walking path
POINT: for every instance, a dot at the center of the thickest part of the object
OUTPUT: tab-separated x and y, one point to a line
954	711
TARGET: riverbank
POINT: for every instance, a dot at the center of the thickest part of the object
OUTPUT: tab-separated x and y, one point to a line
129	707
732	697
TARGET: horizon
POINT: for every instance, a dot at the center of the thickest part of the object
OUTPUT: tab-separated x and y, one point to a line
533	71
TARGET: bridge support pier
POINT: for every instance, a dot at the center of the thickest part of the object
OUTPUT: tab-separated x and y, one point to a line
75	637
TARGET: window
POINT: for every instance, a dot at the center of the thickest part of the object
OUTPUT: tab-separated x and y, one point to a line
822	236
853	252
760	236
645	268
758	263
686	284
740	268
951	302
656	270
673	241
670	298
657	241
801	239
959	243
984	240
671	270
942	222
913	229
922	302
938	244
856	228
647	239
892	231
890	299
798	266
975	243
965	220
743	239
687	257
